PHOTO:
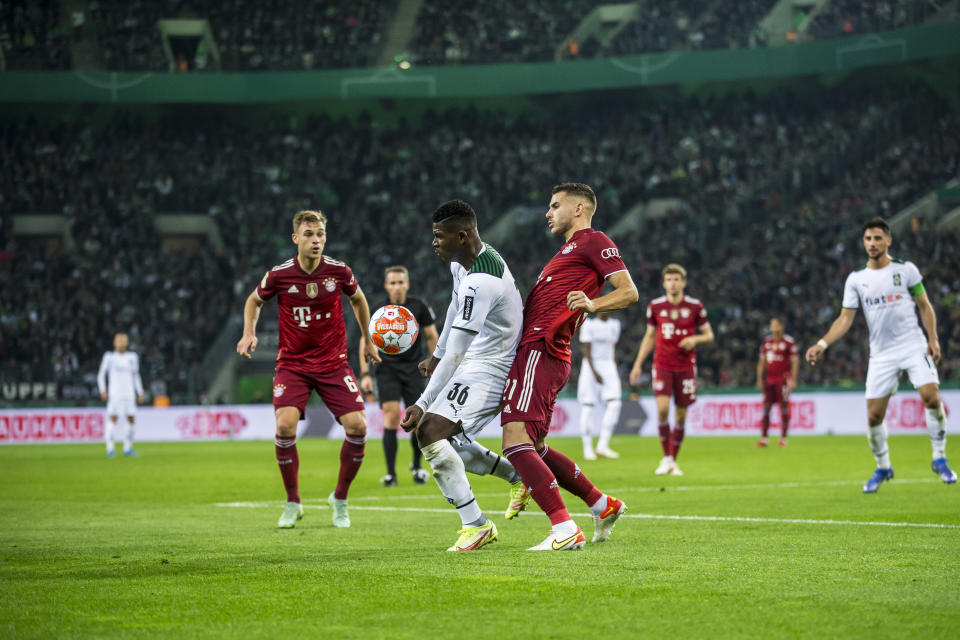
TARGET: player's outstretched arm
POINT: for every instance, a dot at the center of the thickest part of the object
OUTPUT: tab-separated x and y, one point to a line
623	295
251	313
361	310
457	344
646	347
837	330
929	319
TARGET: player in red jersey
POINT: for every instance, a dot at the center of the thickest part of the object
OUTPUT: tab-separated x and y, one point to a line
781	360
555	308
677	324
312	355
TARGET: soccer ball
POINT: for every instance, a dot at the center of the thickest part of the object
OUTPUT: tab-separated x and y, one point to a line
393	329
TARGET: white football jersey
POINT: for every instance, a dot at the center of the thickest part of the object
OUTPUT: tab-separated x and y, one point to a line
487	303
886	296
602	336
123	370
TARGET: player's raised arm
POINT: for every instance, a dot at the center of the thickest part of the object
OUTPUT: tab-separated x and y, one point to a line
929	319
623	295
251	314
362	312
646	348
837	330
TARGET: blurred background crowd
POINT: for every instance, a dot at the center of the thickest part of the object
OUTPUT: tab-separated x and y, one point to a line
767	190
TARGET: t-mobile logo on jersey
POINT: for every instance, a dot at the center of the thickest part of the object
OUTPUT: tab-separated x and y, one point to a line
302	315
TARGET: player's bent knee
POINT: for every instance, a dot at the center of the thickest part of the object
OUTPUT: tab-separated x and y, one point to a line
515	433
930	395
434	428
354	423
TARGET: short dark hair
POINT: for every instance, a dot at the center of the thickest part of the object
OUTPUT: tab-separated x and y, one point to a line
876	223
456	211
578	189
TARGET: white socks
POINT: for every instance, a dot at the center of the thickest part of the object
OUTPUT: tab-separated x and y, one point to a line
108	428
479	460
586	426
128	439
599	506
451	477
611	415
937	428
877	436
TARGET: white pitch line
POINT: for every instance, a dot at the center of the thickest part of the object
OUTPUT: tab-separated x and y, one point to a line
667	487
644	516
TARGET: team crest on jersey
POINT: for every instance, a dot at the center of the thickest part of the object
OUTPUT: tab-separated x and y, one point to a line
570	247
685	312
330	284
896	279
278	390
312	290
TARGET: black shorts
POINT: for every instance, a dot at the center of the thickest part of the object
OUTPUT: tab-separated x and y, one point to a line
395	383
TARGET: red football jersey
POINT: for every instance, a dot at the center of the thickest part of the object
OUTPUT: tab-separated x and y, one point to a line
778	354
673	323
582	264
312	332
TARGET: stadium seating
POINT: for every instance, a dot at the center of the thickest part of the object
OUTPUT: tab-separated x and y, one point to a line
761	231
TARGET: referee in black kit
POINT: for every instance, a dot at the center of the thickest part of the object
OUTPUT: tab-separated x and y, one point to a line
397	376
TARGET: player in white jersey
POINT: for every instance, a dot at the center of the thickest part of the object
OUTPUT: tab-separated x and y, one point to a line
599	378
468	369
125	390
889	291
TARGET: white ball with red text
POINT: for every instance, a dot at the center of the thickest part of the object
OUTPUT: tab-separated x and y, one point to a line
393	329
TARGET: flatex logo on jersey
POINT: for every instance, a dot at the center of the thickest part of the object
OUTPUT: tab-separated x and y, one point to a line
610	252
875	301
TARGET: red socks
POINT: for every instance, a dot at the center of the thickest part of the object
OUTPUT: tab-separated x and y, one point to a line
676	439
351	457
664	429
569	476
537	477
289	463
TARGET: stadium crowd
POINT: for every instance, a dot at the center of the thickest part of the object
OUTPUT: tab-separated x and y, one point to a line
745	229
254	36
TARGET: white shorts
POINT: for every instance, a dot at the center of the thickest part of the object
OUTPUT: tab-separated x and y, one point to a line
121	407
588	389
473	395
883	373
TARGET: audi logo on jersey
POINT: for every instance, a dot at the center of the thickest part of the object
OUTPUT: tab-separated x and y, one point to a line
611	252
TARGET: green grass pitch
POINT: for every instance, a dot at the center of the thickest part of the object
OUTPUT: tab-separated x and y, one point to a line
181	543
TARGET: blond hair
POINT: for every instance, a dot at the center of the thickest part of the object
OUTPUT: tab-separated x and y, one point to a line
307	216
673	267
397	268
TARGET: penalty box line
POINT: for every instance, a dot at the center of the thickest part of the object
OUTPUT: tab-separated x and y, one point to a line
642	516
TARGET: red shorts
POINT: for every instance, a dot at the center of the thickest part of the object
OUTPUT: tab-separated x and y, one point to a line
533	383
776	392
338	389
682	385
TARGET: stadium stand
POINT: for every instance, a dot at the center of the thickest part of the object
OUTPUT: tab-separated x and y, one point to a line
743	231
